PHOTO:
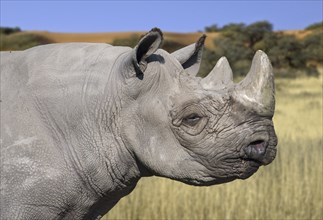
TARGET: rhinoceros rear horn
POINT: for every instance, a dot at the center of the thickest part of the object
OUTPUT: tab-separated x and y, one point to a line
221	76
257	89
147	45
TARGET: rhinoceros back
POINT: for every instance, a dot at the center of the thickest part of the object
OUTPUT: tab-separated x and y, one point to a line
54	73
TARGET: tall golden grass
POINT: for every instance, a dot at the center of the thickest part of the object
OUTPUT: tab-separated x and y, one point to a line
289	188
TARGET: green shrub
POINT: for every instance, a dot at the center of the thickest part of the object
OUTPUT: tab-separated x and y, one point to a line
313	45
212	28
171	46
318	25
21	41
168	45
9	30
209	60
130	41
289	55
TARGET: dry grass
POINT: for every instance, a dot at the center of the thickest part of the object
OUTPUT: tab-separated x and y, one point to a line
186	38
299	34
289	188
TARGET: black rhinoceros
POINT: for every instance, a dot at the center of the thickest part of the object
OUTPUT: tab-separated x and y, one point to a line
81	123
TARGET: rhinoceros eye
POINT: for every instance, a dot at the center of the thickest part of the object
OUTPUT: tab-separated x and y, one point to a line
192	119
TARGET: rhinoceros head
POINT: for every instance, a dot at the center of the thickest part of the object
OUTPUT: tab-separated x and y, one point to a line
198	131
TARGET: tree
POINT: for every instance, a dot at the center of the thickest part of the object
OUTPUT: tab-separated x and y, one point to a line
313	45
315	26
211	28
234	27
209	59
237	43
248	35
257	31
268	41
236	51
21	41
9	30
287	52
288	57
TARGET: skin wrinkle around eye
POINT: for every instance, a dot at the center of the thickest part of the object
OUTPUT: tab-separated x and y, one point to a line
181	109
206	107
195	129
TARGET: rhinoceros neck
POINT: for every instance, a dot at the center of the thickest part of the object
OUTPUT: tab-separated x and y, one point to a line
80	106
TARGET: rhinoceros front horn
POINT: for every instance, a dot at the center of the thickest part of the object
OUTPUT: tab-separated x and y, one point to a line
257	89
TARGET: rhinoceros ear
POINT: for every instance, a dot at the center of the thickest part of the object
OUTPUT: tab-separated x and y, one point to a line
190	56
147	45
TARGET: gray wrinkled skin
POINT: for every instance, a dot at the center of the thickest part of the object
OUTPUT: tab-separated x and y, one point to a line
81	123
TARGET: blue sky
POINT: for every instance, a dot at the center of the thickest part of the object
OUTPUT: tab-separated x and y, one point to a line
175	16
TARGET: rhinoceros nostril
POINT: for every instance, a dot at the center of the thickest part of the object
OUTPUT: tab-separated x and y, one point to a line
256	149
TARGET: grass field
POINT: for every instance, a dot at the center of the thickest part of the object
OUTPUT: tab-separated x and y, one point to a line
289	188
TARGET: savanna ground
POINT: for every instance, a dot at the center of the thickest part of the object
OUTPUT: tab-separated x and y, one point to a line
289	188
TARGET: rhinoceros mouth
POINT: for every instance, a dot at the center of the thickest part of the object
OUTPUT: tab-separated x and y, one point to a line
255	154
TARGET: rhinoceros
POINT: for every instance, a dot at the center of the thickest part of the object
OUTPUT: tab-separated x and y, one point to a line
81	123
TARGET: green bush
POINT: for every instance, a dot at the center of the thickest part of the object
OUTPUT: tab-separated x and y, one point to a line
130	41
21	41
315	26
9	30
212	28
171	46
313	45
209	60
287	52
290	56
